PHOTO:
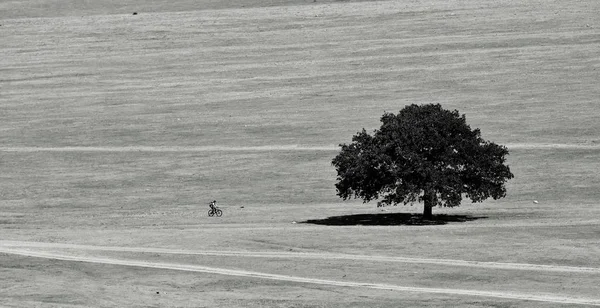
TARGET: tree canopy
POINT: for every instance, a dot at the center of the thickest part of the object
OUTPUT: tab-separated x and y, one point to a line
422	154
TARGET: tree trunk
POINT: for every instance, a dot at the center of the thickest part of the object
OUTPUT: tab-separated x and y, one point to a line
429	201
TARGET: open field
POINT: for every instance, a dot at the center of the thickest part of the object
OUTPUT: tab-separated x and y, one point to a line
117	130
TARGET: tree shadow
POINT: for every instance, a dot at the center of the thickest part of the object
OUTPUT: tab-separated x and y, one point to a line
391	219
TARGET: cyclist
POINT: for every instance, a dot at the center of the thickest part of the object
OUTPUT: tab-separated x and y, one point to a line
213	205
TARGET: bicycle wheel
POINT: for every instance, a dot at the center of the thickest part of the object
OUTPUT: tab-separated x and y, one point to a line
211	213
219	213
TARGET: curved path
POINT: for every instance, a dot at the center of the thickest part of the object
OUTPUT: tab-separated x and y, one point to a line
10	245
251	274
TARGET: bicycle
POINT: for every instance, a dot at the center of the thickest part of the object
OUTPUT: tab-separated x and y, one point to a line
215	211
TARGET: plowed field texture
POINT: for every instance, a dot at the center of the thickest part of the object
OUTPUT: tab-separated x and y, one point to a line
117	129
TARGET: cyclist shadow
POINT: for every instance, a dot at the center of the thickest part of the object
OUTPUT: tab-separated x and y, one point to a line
391	219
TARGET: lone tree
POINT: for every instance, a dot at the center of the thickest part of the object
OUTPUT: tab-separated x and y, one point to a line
424	153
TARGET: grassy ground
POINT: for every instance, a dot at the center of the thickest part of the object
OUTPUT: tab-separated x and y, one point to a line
196	101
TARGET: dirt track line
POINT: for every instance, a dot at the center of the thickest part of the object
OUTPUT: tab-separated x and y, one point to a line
264	148
306	255
552	146
250	274
169	149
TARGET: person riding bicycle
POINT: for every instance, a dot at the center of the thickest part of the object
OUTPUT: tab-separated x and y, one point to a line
214	210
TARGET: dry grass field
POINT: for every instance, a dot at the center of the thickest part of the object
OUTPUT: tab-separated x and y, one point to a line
116	130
